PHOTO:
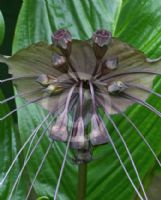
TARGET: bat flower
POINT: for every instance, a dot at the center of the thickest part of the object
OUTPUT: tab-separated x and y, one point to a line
72	79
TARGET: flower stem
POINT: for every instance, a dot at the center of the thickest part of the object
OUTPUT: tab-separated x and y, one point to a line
82	181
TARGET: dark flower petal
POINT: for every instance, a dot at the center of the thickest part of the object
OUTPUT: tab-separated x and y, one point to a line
83	59
54	102
108	101
132	68
129	59
34	60
29	85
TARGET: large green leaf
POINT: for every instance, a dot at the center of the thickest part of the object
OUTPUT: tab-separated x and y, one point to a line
139	24
9	145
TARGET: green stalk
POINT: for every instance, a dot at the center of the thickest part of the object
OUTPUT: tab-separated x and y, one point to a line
82	181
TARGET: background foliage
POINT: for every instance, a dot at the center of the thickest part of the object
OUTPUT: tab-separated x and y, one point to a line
1	28
136	22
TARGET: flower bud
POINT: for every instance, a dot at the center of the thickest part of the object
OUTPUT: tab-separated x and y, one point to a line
59	130
102	37
43	79
101	40
111	63
58	60
78	139
62	39
46	80
98	134
54	89
116	87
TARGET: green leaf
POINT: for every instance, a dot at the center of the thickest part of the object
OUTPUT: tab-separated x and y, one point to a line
81	18
1	28
133	22
48	176
9	145
139	25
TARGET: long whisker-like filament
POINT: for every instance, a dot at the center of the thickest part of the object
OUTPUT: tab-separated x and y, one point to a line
19	95
67	105
35	131
129	154
55	113
62	168
26	161
22	106
140	134
121	162
72	69
30	145
38	170
66	151
27	157
141	102
129	73
127	150
143	88
16	78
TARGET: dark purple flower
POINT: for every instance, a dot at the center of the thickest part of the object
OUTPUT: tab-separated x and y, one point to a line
74	79
113	79
85	79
